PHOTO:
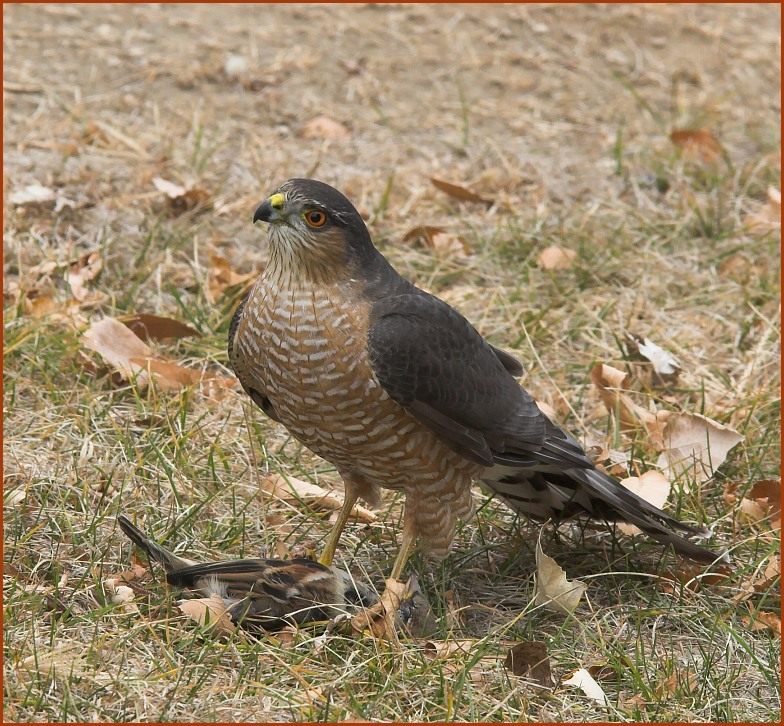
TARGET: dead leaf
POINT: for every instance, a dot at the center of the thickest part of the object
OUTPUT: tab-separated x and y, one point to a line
155	327
583	680
82	271
698	144
221	277
653	487
290	489
530	660
556	258
323	127
665	366
761	620
381	618
14	497
130	356
694	446
180	199
610	382
32	194
61	661
460	193
423	233
692	577
761	503
447	648
443	243
681	681
553	590
760	581
765	217
210	611
119	594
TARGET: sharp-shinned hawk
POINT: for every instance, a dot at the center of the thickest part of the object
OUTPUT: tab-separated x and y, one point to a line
398	390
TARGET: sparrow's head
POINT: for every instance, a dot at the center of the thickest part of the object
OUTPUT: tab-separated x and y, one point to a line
313	227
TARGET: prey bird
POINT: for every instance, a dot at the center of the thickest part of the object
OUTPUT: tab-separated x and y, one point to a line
398	390
263	594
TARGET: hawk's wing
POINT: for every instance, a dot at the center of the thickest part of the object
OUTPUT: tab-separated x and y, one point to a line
431	361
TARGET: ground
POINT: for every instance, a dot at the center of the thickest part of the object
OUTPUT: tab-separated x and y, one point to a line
561	116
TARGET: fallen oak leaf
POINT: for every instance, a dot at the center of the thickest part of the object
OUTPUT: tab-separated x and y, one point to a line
762	502
210	612
553	590
221	277
583	680
435	649
653	487
665	366
762	620
610	383
458	192
679	682
699	144
694	445
530	660
381	618
156	327
60	661
323	127
180	199
767	216
556	258
132	357
760	582
82	271
291	489
443	243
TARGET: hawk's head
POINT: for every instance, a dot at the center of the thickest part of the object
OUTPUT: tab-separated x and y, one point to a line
314	229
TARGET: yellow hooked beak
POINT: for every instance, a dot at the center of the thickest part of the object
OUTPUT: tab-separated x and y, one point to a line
269	210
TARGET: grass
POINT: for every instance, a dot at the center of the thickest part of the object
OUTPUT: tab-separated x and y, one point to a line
83	446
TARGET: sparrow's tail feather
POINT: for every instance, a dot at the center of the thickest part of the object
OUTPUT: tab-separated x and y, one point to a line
170	561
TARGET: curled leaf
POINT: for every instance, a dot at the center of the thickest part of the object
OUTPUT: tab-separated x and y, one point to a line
530	660
458	192
291	489
583	680
556	258
210	611
653	487
699	144
553	590
156	327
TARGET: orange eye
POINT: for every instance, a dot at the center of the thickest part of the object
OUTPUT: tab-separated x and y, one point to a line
315	218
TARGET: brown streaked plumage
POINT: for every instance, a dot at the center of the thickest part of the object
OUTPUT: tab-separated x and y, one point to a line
398	390
260	593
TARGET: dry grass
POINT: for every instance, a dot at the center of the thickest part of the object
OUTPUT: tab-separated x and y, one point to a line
562	116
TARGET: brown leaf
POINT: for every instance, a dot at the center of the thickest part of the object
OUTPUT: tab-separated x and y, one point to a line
458	192
556	258
610	383
530	659
443	243
553	590
761	620
681	681
760	581
209	611
155	327
290	489
699	144
694	446
130	356
665	367
62	661
447	648
181	199
692	577
423	233
381	619
323	127
80	272
765	217
221	276
764	498
653	487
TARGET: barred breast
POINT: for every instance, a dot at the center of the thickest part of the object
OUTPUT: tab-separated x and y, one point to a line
303	347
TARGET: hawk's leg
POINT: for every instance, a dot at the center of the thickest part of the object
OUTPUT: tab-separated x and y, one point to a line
334	536
406	548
